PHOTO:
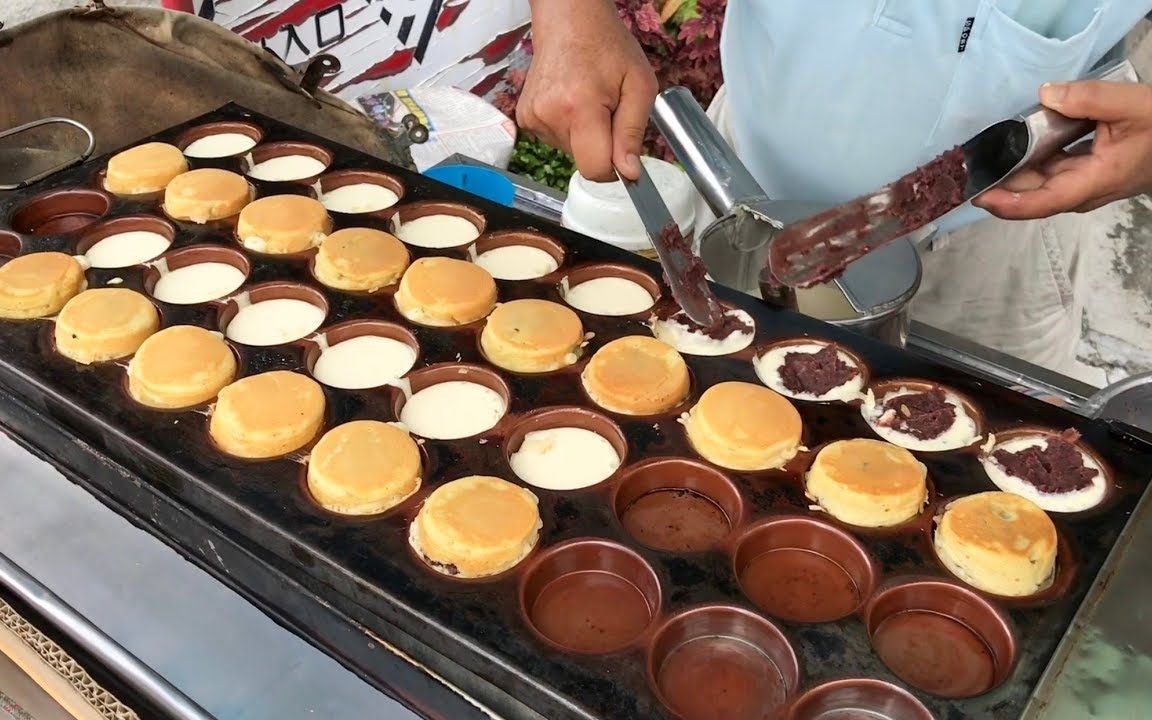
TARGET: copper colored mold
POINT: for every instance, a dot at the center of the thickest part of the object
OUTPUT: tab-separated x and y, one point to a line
941	637
527	238
448	372
722	661
416	210
350	329
858	698
677	505
200	132
890	385
566	417
589	596
275	290
342	178
1110	491
195	255
584	273
267	151
1063	579
60	212
9	244
803	570
857	359
122	224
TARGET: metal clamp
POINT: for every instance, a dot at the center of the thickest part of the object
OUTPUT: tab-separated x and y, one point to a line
87	153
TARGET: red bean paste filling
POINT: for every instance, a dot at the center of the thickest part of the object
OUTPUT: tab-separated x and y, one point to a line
916	199
816	373
924	415
1056	468
696	277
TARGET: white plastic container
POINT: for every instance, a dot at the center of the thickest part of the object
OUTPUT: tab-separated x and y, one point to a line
604	210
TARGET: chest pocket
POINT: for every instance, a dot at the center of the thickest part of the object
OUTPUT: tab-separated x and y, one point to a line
1003	66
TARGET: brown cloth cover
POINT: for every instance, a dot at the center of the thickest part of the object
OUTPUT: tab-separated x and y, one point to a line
130	72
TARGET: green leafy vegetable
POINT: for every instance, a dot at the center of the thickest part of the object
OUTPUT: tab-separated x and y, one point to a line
543	163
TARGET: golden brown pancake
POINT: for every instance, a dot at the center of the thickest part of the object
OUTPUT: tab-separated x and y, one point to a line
532	336
267	415
360	260
998	542
201	196
870	483
476	526
38	285
363	468
443	292
105	324
180	367
636	375
144	169
283	224
741	426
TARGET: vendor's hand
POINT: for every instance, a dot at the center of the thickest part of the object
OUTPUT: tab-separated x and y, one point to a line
1117	164
590	88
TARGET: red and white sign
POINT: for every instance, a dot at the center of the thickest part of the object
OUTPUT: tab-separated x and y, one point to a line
382	44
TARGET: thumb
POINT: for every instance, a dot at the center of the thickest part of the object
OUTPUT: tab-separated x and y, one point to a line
1099	100
630	123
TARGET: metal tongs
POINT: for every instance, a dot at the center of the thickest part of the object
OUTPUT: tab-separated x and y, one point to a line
814	249
72	161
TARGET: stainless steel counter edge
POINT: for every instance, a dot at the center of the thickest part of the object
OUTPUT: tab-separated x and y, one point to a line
134	673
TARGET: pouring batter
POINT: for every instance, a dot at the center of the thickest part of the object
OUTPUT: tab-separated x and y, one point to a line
824	106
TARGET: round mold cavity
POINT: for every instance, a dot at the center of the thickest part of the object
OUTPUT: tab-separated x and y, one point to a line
722	661
425	378
203	256
589	596
276	290
268	151
1035	431
566	417
10	244
417	210
858	699
865	376
941	638
227	127
1062	580
677	505
94	234
344	178
691	339
520	238
803	570
59	212
354	329
885	387
584	273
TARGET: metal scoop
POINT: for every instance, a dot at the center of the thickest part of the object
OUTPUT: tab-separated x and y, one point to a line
819	247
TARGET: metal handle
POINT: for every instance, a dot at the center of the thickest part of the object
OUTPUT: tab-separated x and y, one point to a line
128	667
710	162
87	153
1049	132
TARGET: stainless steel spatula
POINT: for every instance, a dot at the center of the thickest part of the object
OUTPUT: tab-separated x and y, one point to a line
683	270
815	249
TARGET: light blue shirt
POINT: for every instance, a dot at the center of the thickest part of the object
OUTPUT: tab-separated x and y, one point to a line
831	99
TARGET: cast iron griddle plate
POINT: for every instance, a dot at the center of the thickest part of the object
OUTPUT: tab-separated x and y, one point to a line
366	563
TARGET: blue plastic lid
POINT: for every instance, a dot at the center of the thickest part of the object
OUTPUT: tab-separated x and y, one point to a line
481	181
